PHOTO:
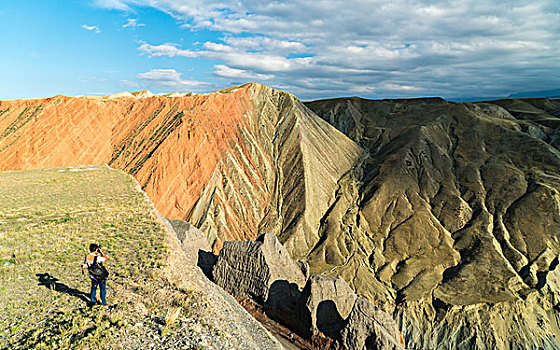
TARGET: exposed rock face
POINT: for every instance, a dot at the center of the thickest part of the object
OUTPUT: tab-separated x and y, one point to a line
457	218
193	242
326	303
448	214
367	327
263	271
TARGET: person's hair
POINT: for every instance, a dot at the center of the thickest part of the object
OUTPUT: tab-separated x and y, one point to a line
93	247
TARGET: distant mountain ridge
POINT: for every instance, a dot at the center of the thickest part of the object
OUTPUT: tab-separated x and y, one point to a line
553	93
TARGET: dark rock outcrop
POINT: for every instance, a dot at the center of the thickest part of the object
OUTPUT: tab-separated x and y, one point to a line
263	271
325	304
194	244
367	327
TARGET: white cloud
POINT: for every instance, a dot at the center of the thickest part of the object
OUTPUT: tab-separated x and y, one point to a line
374	47
260	43
228	72
113	4
241	59
167	79
95	29
399	87
216	47
169	50
133	23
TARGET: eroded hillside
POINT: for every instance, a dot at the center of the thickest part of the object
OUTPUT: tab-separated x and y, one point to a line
454	217
234	163
158	299
445	214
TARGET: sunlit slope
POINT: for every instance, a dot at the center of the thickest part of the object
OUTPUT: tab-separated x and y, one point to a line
446	213
235	163
158	297
48	218
454	217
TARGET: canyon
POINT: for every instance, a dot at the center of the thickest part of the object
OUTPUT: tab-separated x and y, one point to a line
444	215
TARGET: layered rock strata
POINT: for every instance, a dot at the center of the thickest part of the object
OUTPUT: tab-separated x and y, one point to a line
261	270
455	218
312	305
234	163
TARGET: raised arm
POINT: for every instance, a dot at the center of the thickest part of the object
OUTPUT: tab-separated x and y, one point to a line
103	254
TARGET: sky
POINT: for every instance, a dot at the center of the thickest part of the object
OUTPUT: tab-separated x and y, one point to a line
311	48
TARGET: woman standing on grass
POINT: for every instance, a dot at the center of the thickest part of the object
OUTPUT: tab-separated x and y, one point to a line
97	272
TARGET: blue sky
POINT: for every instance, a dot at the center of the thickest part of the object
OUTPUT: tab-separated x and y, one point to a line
312	48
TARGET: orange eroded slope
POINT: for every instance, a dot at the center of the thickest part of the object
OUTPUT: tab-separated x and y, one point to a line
236	163
58	131
172	146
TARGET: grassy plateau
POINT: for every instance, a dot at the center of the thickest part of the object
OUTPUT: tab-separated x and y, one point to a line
48	218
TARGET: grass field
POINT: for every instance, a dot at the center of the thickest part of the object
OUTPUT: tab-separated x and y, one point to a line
48	218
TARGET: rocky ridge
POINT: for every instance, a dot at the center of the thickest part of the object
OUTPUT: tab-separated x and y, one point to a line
455	220
314	306
220	311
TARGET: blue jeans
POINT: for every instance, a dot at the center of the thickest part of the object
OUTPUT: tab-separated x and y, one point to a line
102	291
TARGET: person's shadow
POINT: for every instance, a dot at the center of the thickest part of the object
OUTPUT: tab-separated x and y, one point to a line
50	282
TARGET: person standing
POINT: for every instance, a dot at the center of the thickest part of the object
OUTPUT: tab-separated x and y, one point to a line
97	272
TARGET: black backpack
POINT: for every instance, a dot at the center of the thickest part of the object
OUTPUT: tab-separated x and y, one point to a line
97	270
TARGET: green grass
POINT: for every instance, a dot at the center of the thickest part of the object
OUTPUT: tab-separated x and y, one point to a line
48	218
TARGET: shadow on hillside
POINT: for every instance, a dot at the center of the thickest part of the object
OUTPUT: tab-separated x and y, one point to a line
206	262
51	282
